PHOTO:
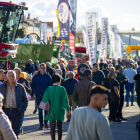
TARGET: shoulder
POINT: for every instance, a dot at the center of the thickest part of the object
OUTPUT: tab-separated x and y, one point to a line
75	80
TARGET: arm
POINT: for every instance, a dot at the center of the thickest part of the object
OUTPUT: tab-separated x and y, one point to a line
6	129
103	78
25	99
46	96
65	103
116	91
103	130
50	81
75	96
33	86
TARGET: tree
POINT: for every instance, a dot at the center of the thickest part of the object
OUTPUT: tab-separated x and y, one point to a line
21	32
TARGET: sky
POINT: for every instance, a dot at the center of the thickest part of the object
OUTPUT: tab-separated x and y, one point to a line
123	13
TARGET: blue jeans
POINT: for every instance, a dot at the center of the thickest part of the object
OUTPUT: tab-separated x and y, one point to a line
21	122
132	96
41	112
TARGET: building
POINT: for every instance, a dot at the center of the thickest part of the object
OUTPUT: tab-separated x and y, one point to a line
33	26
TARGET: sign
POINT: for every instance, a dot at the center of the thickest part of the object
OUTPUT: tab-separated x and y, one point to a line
91	33
63	16
44	32
103	50
72	43
112	44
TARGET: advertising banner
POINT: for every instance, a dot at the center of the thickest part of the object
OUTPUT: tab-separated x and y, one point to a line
119	41
63	16
114	29
103	50
112	44
44	32
91	33
73	10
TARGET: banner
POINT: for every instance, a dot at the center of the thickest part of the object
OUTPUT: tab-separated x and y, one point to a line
112	43
119	41
103	50
58	23
73	9
44	32
114	29
63	16
91	33
122	50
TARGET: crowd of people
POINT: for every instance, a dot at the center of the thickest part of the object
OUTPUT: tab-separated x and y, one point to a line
64	89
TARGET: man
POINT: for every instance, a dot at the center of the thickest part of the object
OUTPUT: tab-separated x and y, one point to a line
15	100
101	65
138	69
36	65
129	73
50	70
59	72
1	75
98	76
105	70
114	97
81	89
87	123
40	82
29	68
63	70
69	85
25	83
122	81
5	76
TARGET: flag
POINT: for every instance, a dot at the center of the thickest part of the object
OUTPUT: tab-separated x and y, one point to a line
44	32
58	23
63	16
103	49
91	33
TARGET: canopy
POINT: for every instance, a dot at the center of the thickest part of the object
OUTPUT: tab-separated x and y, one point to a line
132	47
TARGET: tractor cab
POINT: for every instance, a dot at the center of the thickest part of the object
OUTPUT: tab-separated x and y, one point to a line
10	16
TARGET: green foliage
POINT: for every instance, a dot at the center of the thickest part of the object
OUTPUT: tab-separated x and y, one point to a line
21	32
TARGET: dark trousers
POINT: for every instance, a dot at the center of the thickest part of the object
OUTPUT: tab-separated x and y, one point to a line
114	108
15	118
119	114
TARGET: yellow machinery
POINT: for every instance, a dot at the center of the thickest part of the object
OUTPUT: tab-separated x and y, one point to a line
132	47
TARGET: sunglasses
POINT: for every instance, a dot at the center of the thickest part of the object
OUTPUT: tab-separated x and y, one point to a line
43	68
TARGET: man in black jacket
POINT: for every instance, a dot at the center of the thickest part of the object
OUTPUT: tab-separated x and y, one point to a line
122	81
50	70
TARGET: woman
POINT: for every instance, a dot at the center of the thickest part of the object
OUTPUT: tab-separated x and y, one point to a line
57	97
6	132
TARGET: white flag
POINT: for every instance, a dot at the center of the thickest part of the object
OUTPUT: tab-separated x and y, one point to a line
112	44
91	33
103	50
44	32
119	47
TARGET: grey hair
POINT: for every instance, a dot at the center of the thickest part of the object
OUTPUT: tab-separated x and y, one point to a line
70	72
37	61
11	71
57	70
30	59
48	64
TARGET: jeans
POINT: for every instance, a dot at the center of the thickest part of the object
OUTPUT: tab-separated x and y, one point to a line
21	122
15	118
132	96
41	112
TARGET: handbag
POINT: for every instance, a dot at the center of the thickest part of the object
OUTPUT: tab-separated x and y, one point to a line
46	107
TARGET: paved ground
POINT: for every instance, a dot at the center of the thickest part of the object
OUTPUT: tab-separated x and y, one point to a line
121	131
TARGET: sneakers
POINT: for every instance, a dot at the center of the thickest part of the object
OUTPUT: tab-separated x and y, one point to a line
41	127
123	119
34	112
127	105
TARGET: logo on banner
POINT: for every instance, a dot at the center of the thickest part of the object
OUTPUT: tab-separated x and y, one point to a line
63	11
73	5
71	43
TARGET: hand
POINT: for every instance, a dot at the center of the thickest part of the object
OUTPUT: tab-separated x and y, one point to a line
69	113
102	83
32	98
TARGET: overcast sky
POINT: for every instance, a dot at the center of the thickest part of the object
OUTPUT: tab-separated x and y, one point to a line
123	13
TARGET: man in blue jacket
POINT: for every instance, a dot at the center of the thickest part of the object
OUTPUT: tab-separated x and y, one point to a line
40	83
